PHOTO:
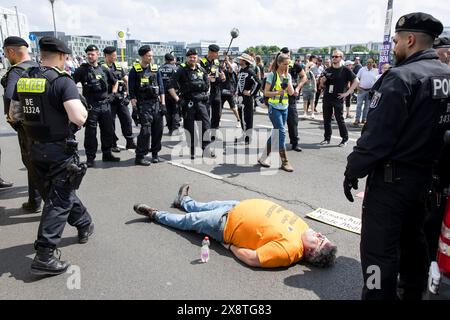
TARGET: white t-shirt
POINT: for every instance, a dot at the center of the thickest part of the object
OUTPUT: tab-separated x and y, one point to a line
367	78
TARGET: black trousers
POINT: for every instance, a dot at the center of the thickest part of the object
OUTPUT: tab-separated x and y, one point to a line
119	109
101	115
151	127
292	121
61	202
173	113
34	198
216	107
246	113
316	101
338	109
392	237
196	112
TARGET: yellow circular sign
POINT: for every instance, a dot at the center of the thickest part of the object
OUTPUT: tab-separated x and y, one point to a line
121	34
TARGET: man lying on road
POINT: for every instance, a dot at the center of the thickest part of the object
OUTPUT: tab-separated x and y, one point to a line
258	232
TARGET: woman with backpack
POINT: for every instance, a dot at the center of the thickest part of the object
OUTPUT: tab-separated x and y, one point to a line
277	89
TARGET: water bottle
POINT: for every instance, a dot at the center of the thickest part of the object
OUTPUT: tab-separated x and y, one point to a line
205	250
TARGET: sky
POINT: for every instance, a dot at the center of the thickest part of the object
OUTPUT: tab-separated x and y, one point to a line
292	23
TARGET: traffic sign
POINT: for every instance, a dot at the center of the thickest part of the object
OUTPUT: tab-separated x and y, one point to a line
32	37
121	42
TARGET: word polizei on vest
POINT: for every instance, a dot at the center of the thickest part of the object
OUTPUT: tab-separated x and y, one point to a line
441	90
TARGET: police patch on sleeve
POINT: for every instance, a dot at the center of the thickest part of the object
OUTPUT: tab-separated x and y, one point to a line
440	87
375	100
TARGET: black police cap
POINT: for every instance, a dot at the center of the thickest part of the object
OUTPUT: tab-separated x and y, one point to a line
214	48
51	44
91	47
14	42
420	22
285	50
442	42
144	49
169	57
109	50
191	52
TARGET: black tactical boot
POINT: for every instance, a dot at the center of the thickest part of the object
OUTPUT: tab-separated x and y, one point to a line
85	233
142	162
108	157
45	263
90	162
130	144
31	207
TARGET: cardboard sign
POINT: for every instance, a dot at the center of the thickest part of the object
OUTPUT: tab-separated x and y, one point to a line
338	220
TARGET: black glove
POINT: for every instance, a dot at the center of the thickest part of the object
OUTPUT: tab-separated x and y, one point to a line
350	183
163	109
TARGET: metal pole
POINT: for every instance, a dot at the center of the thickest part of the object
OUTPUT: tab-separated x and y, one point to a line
6	24
53	13
1	32
18	22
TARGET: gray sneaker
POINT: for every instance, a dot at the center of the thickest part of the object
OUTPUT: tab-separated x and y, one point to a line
183	192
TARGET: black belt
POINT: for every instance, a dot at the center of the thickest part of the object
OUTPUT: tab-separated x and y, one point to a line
48	142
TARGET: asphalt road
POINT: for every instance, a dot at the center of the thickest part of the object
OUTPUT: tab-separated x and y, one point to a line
129	258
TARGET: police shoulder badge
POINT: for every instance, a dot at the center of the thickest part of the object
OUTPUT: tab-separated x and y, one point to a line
375	100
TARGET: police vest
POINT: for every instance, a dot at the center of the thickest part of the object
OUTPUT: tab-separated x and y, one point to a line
97	82
42	121
211	67
195	80
276	100
167	71
19	68
147	82
118	74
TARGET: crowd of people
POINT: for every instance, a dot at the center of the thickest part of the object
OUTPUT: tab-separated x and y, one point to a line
399	144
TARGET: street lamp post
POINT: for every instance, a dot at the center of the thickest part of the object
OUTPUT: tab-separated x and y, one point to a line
53	13
18	21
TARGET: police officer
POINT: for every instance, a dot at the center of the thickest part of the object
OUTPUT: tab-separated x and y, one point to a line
216	76
16	51
298	80
173	114
119	103
51	112
147	95
407	119
95	79
193	97
442	47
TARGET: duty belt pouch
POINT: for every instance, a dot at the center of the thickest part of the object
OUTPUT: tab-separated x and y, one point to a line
388	172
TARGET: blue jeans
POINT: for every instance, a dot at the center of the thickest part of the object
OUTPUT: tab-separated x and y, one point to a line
207	218
279	118
363	98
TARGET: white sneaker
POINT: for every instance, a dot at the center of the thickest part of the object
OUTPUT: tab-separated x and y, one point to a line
312	117
238	124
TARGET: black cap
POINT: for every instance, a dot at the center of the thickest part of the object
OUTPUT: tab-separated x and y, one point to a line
14	42
51	44
420	22
109	50
285	50
214	48
169	57
191	52
442	42
91	47
143	50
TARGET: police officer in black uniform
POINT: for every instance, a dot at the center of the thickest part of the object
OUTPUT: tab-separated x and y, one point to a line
193	82
51	112
173	114
147	95
119	100
298	80
408	116
16	51
95	79
216	76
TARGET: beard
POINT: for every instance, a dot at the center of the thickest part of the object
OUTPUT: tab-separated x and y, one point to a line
398	58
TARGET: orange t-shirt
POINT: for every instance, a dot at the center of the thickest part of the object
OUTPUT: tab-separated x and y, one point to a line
274	232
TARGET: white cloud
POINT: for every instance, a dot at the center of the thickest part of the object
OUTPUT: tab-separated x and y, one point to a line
292	23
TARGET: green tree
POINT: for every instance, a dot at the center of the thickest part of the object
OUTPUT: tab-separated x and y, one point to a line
359	49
